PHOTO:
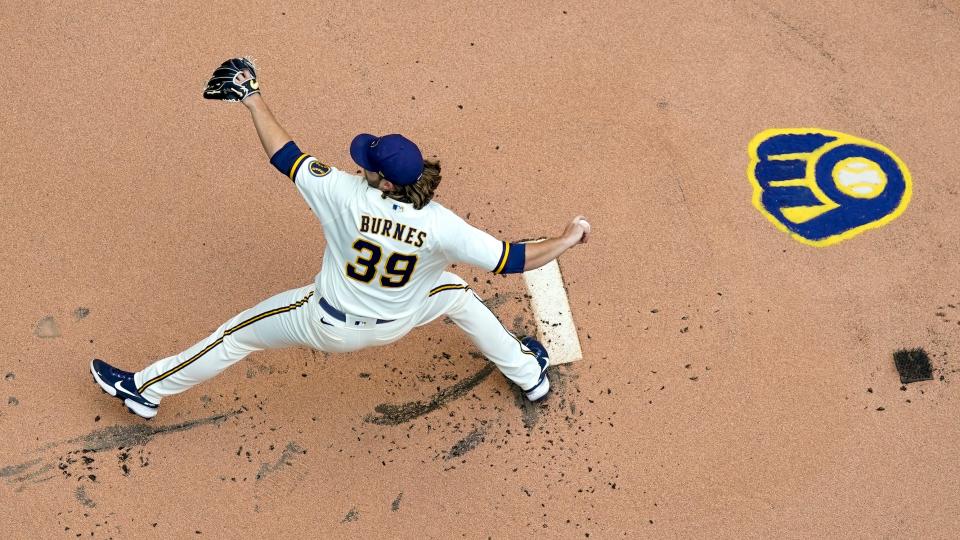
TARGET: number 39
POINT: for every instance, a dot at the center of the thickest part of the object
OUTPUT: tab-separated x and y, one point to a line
397	270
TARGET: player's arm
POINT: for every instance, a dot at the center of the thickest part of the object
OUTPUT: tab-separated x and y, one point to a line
464	243
284	154
272	135
236	80
538	254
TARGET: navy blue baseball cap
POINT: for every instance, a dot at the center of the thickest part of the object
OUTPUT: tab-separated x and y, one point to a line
394	156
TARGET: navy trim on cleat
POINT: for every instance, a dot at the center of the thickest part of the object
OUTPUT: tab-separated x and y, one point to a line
120	384
539	390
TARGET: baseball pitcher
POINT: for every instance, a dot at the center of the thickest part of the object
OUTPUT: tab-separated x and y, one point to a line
383	271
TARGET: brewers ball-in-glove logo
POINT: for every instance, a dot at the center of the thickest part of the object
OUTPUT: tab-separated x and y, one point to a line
824	187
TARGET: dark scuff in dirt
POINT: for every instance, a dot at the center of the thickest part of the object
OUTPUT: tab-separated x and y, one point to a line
352	515
285	459
393	415
497	300
530	412
139	434
22	474
76	462
466	444
81	495
913	365
12	470
395	505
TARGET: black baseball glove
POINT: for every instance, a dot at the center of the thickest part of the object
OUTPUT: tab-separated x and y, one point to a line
224	86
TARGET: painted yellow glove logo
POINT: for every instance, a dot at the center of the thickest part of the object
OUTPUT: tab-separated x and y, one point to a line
823	186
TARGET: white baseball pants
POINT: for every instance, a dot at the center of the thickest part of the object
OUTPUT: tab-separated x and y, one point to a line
295	318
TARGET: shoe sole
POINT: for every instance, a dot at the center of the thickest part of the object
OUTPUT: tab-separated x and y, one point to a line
540	391
132	406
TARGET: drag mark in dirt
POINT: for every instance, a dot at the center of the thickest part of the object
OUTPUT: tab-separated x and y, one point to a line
12	470
285	459
113	437
393	415
139	434
81	495
531	412
467	443
817	43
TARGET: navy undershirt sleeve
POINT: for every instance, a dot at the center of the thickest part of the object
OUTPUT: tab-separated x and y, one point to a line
516	258
287	158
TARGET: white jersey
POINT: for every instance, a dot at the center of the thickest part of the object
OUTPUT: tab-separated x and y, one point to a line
384	260
383	256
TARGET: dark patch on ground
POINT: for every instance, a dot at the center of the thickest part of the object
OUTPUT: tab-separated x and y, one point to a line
122	459
466	444
14	474
10	376
139	434
395	505
530	412
47	328
255	368
81	495
79	462
351	516
13	470
285	459
496	300
913	365
13	401
80	313
393	415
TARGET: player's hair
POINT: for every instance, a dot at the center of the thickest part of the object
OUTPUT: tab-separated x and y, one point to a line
420	192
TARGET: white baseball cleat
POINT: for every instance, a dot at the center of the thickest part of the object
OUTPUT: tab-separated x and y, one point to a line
542	388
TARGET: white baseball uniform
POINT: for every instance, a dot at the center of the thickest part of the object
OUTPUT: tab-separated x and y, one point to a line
382	275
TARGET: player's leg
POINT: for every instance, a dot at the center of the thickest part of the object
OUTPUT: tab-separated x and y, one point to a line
525	367
283	320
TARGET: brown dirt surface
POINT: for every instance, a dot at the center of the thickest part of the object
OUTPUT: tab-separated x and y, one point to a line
735	384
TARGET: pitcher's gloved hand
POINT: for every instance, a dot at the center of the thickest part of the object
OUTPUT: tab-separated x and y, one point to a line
224	85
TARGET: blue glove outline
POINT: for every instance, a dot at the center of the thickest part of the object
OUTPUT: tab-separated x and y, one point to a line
791	170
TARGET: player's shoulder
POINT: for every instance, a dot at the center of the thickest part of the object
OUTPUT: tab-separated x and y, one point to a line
294	163
315	171
439	210
442	218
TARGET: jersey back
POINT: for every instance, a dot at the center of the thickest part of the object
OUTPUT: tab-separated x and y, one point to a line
384	256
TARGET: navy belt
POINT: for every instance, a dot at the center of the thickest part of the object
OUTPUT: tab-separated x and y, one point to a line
341	316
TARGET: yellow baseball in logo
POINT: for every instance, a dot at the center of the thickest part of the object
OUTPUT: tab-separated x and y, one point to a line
859	177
